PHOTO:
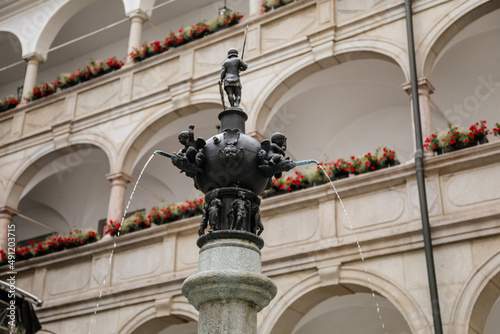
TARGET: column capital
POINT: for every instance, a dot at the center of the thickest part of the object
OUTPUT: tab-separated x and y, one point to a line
424	87
119	178
138	13
5	210
33	56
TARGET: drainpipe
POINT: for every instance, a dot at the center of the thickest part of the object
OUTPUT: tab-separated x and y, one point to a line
419	167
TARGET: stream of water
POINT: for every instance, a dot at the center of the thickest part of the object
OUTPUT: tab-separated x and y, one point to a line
93	318
357	243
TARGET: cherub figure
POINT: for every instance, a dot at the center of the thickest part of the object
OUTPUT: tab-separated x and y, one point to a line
272	155
190	159
192	147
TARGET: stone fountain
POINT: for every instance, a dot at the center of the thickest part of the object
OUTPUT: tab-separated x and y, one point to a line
231	169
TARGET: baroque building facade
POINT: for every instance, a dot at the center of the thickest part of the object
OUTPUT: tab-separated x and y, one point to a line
333	76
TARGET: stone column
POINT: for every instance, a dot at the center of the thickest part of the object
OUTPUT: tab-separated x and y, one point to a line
119	183
33	60
424	90
137	19
6	215
229	289
255	6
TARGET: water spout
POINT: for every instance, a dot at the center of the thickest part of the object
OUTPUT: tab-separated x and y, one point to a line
165	154
306	162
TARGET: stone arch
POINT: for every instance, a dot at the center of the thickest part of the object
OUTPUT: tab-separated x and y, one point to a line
304	295
54	22
158	118
12	36
99	140
180	312
447	28
44	156
479	293
12	50
17	33
365	48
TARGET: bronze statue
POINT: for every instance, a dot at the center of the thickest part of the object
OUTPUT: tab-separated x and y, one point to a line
238	213
230	77
204	220
214	211
211	214
256	222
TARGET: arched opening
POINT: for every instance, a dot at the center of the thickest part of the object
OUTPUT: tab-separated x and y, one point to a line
349	308
12	78
66	189
348	109
167	325
466	75
485	317
361	313
78	20
493	321
448	27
